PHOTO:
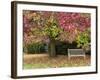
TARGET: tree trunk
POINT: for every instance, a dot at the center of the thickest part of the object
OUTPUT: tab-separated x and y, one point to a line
51	48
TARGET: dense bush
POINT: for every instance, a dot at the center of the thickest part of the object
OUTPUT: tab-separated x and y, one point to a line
34	48
61	47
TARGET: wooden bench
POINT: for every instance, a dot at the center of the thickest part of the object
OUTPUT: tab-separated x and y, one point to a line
75	53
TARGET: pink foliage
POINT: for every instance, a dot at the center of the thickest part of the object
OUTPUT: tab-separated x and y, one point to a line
69	21
26	24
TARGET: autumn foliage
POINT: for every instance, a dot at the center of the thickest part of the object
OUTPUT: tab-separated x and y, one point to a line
43	26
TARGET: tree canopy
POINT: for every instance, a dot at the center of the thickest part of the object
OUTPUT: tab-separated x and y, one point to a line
64	26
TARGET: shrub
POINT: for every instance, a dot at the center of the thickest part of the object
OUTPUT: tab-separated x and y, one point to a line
35	48
83	40
61	47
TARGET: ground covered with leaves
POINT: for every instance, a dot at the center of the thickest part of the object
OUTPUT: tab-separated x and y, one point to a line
32	61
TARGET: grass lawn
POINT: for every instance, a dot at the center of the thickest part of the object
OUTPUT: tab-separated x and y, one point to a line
32	61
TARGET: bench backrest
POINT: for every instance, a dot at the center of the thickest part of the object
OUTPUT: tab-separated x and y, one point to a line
75	51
